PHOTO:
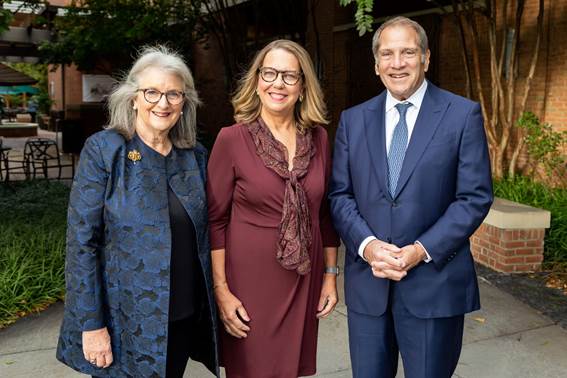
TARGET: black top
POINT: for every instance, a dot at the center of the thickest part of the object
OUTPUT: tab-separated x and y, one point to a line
185	268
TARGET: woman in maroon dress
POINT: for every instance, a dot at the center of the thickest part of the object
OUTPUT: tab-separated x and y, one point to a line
274	249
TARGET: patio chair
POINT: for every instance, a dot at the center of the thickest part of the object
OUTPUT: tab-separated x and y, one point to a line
8	165
42	155
3	160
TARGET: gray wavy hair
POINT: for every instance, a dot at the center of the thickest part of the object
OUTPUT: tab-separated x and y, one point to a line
120	102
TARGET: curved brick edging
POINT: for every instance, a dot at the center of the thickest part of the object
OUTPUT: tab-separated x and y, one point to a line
510	239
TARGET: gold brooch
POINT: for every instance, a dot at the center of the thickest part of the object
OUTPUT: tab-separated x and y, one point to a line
135	156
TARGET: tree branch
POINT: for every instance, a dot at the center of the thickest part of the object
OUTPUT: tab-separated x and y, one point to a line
476	65
527	86
458	20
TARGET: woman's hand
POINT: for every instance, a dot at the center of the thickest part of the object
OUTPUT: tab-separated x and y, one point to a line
96	347
232	312
329	296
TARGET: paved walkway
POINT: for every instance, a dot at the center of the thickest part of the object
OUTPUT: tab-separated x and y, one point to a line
505	339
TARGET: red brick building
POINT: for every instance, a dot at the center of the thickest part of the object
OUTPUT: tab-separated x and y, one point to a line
344	60
548	96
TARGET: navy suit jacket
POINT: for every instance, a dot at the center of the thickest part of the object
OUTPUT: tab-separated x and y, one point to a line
444	192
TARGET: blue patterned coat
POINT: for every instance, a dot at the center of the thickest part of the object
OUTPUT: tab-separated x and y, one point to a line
118	255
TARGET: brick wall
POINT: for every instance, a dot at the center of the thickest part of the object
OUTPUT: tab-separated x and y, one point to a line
319	42
73	87
210	79
60	3
508	250
556	104
548	94
511	237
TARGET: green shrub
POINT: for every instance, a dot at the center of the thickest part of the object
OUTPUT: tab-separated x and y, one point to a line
526	191
32	247
545	145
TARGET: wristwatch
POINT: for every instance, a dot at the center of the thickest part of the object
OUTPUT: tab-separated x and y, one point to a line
332	270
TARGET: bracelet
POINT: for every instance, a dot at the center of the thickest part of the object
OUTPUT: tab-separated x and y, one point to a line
332	270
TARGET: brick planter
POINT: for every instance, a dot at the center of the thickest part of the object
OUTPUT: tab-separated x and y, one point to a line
18	130
510	240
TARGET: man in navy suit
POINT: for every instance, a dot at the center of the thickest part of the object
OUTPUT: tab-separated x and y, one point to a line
411	182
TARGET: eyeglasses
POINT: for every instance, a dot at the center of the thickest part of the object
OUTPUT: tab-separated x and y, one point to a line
269	75
153	96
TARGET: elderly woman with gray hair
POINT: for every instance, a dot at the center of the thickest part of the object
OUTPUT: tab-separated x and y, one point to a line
139	297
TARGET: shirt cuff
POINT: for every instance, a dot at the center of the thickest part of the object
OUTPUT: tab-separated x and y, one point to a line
427	258
363	245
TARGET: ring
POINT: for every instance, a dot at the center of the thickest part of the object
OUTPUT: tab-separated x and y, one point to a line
92	362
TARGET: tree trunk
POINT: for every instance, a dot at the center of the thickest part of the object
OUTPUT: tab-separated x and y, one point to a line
527	86
498	108
498	163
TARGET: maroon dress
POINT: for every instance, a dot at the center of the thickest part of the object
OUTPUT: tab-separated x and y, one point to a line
245	208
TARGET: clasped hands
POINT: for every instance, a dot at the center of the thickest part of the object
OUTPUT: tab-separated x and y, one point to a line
390	261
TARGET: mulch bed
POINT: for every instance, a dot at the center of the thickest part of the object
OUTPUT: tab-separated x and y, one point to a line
544	291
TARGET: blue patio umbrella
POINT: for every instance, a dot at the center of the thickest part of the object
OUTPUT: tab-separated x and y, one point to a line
18	89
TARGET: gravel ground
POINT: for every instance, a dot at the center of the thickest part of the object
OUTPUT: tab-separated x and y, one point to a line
530	288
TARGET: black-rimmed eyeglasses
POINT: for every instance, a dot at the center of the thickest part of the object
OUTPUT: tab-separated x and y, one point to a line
153	96
269	75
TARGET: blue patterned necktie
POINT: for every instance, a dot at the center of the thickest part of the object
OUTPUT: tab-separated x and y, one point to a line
398	147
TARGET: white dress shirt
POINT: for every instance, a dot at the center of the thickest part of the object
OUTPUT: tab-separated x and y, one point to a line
392	118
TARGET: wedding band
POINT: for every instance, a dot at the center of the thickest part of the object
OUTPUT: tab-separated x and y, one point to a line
92	362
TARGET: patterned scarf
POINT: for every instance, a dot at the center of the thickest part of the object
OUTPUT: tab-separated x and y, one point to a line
294	240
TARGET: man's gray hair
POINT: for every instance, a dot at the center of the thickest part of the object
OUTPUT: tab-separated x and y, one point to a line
121	100
401	21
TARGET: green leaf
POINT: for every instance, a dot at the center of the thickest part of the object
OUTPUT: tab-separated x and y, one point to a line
544	144
362	16
111	31
5	19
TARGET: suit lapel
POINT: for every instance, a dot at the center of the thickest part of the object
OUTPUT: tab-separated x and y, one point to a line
430	114
374	124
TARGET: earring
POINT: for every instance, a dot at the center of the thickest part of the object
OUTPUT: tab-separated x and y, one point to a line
301	97
181	112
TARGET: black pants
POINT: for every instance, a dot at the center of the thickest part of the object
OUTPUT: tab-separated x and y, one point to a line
179	336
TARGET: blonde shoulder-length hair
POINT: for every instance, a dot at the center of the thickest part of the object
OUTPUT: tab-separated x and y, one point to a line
120	102
308	113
